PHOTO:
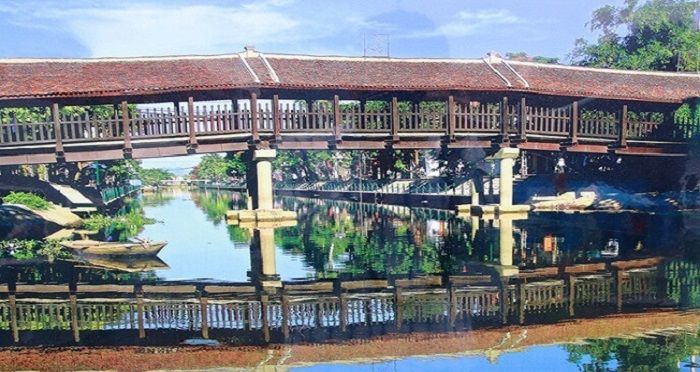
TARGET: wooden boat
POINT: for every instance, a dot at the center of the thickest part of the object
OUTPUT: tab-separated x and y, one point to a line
142	248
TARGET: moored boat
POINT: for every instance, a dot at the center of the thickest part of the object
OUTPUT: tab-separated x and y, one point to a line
142	248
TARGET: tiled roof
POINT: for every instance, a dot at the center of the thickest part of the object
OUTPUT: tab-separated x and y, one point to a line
84	78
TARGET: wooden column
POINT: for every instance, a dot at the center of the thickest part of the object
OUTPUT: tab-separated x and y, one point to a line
58	135
203	308
337	120
139	314
276	119
398	318
190	122
522	111
503	299
285	317
395	119
74	317
451	118
12	303
571	285
617	275
343	312
504	120
126	127
522	297
453	304
254	125
573	129
264	299
622	138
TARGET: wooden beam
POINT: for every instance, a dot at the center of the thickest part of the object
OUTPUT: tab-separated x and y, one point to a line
58	135
126	128
573	129
451	118
337	120
276	119
254	117
190	122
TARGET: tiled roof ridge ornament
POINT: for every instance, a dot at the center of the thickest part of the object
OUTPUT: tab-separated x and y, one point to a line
493	57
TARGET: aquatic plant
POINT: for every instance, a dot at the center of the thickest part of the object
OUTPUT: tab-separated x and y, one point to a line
126	225
26	249
27	199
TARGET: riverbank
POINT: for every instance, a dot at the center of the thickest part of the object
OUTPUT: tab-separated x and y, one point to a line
488	342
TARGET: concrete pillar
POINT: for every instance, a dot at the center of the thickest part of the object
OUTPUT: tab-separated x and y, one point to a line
263	166
506	182
267	251
506	157
505	242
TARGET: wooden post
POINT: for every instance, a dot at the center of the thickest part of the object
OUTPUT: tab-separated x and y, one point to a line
126	127
622	139
254	117
343	312
522	297
337	120
190	122
276	119
523	119
265	321
618	289
285	317
504	119
140	315
451	118
453	304
203	308
398	318
58	135
12	302
74	317
573	130
503	299
571	281
395	119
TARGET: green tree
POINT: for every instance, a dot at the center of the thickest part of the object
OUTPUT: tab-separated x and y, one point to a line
658	35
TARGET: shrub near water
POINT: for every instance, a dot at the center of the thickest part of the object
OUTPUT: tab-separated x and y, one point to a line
27	199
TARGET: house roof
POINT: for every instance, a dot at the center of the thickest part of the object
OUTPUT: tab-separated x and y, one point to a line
122	77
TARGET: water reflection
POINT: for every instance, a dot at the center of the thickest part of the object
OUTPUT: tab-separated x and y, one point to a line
366	270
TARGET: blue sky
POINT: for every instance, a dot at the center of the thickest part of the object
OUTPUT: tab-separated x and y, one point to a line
420	28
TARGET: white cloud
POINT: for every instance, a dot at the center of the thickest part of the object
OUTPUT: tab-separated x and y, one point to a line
468	22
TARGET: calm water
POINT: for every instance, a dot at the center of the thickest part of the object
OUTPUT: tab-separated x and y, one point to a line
357	271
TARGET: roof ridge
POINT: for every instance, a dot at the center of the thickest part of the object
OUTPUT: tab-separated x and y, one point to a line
607	70
116	59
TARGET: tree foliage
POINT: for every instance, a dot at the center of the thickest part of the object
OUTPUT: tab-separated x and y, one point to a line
654	35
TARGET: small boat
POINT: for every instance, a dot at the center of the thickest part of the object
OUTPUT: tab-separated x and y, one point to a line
140	248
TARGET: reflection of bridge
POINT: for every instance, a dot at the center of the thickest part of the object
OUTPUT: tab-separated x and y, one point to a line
332	309
418	103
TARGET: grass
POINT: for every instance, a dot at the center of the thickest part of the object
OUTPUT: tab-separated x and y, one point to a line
27	199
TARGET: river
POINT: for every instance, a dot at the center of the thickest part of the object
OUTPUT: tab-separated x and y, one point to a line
378	273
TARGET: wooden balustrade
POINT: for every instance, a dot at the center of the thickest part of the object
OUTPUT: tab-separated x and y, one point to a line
452	118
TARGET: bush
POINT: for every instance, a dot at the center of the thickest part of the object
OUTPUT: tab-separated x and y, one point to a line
27	199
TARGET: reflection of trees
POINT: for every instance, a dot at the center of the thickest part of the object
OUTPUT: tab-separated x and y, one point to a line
215	205
374	242
655	354
156	199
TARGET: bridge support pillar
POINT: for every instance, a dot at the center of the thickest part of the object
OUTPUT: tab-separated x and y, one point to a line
506	157
259	180
263	263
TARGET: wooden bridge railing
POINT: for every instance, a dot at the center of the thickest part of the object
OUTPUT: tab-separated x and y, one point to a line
320	305
451	119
